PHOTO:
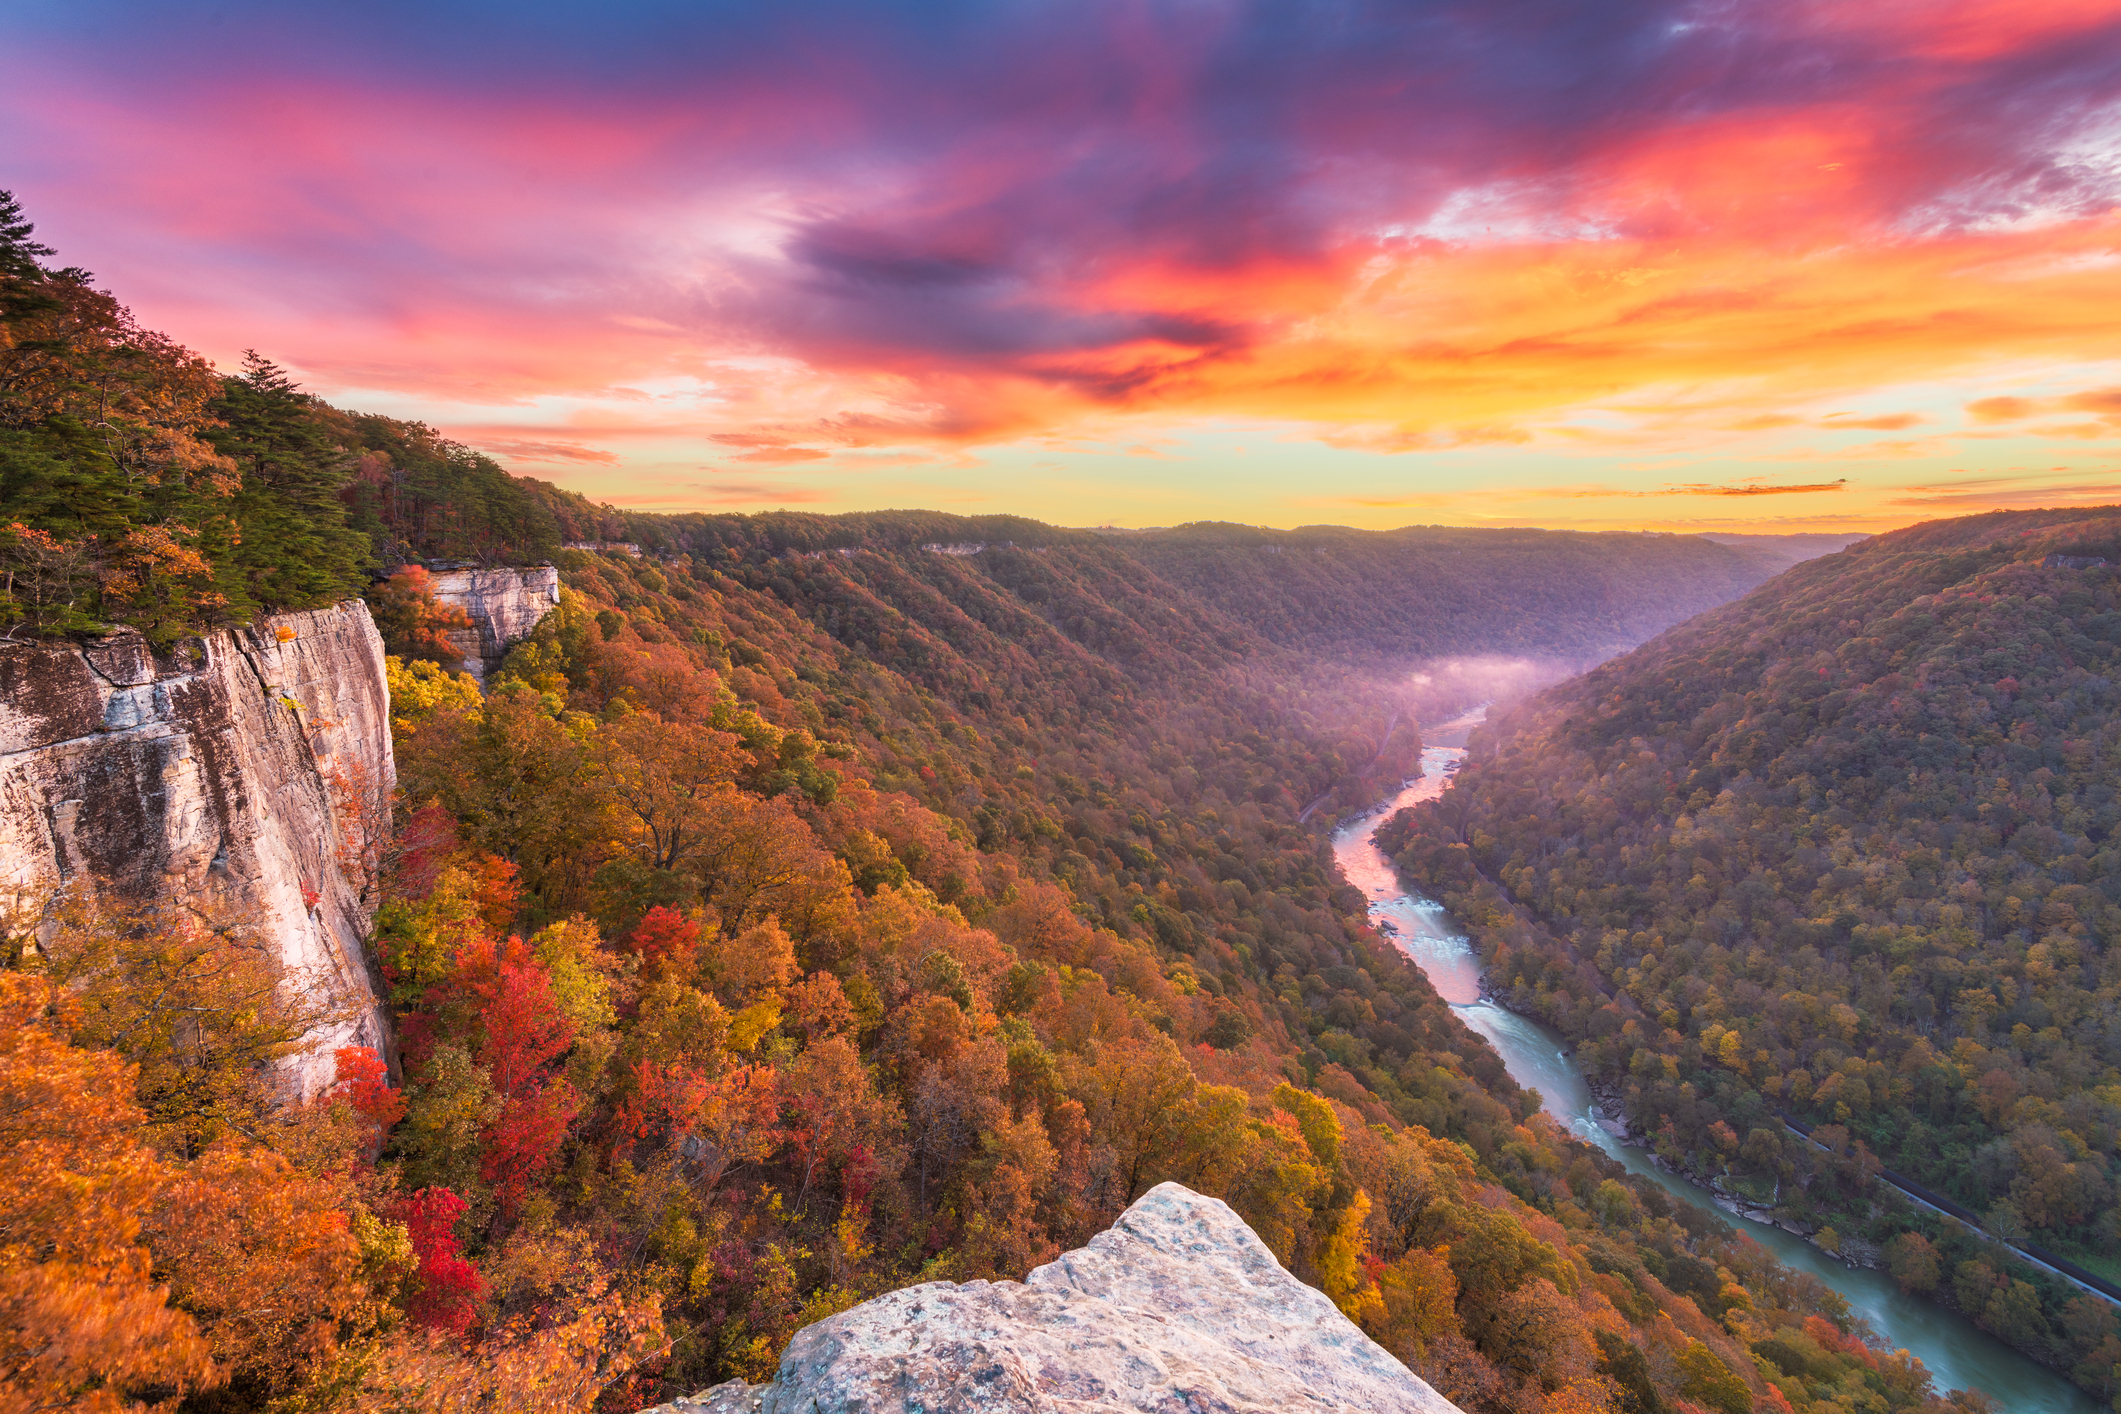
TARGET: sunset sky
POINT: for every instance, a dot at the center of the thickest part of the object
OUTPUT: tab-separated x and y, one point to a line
1801	265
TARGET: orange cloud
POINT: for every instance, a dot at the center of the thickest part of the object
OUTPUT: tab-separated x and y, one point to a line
517	449
783	456
1890	422
2000	409
739	493
1712	489
2007	495
2104	400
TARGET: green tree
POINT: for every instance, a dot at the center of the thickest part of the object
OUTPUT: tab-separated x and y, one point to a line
295	547
19	255
1711	1381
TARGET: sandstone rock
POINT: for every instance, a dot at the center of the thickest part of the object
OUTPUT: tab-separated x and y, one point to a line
1177	1308
250	768
504	604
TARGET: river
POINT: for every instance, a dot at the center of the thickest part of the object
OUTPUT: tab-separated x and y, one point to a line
1958	1354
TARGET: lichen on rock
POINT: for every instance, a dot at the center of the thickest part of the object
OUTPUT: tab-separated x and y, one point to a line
1178	1307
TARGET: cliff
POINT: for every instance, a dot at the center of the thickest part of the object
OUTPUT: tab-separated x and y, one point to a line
1177	1307
249	769
504	605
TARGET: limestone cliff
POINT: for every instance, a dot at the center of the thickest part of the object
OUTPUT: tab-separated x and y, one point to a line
250	768
1177	1307
504	605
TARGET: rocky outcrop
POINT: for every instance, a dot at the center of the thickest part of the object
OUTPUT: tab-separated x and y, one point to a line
1178	1307
504	605
248	770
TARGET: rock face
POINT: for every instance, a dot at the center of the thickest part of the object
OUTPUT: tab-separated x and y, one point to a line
249	769
1177	1308
504	604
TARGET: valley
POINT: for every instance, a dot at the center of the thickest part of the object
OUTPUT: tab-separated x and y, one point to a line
1850	828
1107	708
1952	1348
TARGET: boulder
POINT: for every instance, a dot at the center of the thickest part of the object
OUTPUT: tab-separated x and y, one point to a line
1177	1309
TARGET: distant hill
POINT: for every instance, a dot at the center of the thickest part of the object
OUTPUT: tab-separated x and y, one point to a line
1782	551
1427	591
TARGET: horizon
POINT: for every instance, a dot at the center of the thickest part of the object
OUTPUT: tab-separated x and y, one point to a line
1738	269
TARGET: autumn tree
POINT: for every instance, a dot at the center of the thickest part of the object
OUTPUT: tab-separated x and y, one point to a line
83	1323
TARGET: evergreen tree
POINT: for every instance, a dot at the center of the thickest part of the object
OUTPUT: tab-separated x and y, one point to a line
19	255
295	547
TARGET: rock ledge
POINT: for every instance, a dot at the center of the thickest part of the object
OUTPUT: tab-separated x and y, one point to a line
1177	1309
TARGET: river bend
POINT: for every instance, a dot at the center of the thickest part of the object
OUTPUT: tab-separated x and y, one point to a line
1958	1354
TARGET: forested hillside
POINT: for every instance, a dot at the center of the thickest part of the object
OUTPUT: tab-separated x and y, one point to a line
1844	850
139	486
799	913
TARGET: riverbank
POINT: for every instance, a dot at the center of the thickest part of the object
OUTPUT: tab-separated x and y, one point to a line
1611	1114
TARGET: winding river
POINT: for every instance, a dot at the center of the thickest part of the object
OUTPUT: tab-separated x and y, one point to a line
1958	1354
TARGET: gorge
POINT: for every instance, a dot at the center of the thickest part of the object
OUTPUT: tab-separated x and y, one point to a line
789	915
1957	1353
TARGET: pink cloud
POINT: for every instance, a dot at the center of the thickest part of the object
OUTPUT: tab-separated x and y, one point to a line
897	228
530	451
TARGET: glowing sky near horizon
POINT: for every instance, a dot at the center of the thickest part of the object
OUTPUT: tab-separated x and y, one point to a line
1799	265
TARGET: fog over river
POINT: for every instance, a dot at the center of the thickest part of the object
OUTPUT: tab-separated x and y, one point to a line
1958	1354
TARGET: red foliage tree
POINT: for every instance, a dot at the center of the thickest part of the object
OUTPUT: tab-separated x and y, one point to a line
522	1032
666	941
364	1081
522	1026
526	1139
447	1285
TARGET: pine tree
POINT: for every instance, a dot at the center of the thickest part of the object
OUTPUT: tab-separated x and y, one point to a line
19	255
296	549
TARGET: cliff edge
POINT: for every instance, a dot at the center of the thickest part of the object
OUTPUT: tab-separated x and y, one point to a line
504	605
1178	1306
249	769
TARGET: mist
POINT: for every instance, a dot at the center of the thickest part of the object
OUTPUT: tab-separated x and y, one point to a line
1443	687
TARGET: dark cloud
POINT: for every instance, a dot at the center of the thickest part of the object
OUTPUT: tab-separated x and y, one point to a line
969	178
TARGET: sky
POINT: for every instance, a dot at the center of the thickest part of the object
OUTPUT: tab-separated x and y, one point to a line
1744	265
